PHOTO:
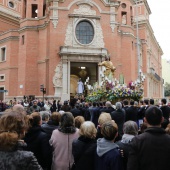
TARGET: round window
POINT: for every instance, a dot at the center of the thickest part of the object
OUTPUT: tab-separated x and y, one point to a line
11	4
123	5
84	32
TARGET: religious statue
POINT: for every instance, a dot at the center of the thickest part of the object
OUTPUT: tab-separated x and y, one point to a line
124	19
80	87
109	66
57	79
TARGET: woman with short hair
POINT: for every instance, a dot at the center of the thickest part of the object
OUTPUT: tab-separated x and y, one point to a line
130	130
78	121
13	126
84	148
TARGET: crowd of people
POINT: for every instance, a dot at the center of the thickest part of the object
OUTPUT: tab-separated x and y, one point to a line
79	135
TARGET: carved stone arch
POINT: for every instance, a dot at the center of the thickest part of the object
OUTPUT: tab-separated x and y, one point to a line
88	2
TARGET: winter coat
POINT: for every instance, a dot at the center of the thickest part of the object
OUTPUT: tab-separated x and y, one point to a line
38	142
84	150
49	127
107	109
132	114
94	115
119	117
108	156
150	150
124	145
18	160
76	112
62	149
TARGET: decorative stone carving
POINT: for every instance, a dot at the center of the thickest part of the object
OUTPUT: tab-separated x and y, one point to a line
70	39
84	10
54	17
57	79
99	36
112	18
69	34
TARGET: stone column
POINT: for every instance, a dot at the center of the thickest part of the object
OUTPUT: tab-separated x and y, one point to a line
66	79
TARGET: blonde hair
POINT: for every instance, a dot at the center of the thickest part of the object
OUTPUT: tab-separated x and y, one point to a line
104	117
88	130
78	121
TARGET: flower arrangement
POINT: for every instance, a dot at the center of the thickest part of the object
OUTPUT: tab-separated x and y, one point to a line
119	92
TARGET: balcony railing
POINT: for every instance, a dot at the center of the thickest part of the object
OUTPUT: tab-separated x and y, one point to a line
155	75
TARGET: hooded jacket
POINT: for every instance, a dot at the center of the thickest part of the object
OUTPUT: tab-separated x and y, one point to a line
108	156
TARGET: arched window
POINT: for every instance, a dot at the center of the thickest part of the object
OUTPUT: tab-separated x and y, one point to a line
84	32
11	4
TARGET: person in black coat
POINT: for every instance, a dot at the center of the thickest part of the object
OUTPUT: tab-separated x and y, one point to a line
130	130
84	148
132	112
119	117
151	149
108	108
38	142
65	107
75	111
53	108
94	113
166	113
52	124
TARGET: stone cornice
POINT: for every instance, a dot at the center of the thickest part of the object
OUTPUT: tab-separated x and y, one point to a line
111	3
10	18
34	28
68	50
9	12
84	16
33	19
147	6
10	38
8	68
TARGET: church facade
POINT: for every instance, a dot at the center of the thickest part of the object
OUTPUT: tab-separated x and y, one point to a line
54	43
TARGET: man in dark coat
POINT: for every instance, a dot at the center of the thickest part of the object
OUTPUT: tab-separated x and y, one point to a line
119	117
94	113
75	111
132	112
150	150
108	108
166	113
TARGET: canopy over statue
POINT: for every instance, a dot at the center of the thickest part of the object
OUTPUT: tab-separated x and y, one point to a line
108	65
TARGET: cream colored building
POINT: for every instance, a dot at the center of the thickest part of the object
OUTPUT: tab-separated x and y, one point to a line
166	70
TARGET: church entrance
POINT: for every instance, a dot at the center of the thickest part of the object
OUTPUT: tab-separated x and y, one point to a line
82	71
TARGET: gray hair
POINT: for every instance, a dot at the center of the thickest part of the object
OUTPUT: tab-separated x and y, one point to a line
44	115
130	127
136	103
108	104
118	105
